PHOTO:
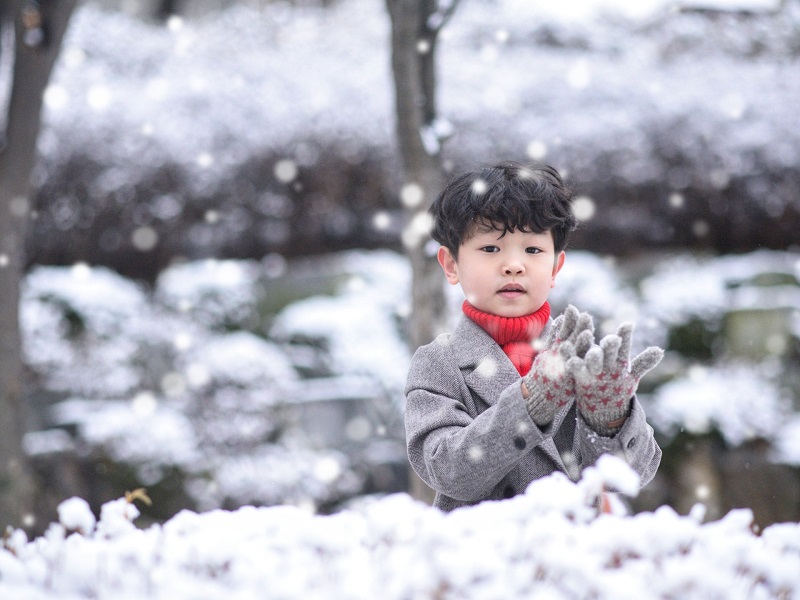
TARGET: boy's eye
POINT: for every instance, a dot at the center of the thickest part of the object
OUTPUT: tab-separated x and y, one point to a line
490	249
533	250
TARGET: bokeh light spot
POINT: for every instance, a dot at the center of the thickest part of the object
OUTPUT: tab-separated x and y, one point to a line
381	221
583	208
411	195
677	200
144	238
285	170
536	150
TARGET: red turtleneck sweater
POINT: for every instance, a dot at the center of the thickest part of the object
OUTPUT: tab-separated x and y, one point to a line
514	335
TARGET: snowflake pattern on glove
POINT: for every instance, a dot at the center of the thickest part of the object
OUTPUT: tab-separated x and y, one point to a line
550	386
605	382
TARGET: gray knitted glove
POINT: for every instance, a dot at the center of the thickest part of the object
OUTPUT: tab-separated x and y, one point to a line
604	383
548	383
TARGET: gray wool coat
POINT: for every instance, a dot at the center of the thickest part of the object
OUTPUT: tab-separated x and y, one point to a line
469	434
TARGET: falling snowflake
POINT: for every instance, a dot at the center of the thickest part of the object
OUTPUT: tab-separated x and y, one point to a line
411	195
56	97
583	208
578	76
204	160
676	200
285	170
417	230
99	97
486	368
475	453
478	187
536	150
381	221
144	238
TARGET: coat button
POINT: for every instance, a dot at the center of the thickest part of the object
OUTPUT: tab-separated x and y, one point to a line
519	443
631	443
508	492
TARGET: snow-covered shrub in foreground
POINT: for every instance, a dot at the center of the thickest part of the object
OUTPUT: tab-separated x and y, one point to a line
547	543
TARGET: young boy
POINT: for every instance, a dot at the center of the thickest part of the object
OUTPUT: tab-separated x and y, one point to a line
511	395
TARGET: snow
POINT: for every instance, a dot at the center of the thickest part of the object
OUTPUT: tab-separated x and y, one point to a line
158	380
216	291
362	321
572	80
787	442
720	283
75	514
549	543
737	400
183	375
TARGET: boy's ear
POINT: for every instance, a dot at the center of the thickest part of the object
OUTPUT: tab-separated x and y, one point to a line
449	265
562	256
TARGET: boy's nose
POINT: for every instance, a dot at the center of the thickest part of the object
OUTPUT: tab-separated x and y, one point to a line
514	268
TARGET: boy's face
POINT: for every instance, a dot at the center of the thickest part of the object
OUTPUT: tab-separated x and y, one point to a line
508	275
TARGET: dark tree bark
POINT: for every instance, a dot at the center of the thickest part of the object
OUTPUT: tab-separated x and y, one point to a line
38	29
415	28
168	8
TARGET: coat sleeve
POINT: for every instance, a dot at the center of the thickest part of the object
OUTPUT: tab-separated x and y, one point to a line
635	442
458	453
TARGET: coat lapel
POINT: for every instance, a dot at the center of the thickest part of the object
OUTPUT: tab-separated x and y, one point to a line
488	371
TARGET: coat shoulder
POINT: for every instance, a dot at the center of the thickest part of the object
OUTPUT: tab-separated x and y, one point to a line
430	359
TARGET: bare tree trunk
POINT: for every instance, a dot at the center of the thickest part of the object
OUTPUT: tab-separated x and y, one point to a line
38	31
168	8
415	26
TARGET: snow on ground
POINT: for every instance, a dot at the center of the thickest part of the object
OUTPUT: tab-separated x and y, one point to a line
548	543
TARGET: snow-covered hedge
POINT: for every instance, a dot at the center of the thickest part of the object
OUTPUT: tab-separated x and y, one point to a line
549	543
170	380
206	136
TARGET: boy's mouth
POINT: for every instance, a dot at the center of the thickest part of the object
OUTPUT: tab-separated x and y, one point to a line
511	289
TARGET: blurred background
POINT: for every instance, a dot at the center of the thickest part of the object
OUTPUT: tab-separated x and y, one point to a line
215	247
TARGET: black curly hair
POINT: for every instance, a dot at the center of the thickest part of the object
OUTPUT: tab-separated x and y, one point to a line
507	197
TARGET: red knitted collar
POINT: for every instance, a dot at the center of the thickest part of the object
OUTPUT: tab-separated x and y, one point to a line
513	334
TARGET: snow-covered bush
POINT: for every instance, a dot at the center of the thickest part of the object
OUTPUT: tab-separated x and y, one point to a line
79	319
160	383
219	293
310	414
362	325
186	138
549	543
739	401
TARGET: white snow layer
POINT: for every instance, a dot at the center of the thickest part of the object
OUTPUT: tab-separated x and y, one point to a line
361	327
294	79
548	543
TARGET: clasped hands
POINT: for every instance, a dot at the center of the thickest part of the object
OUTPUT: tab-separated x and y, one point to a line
599	378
